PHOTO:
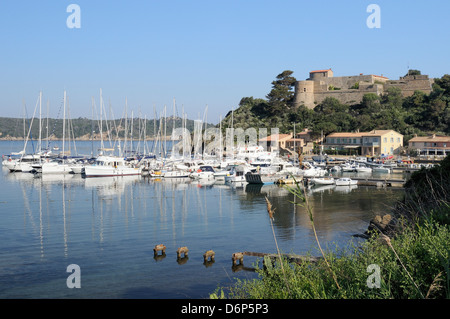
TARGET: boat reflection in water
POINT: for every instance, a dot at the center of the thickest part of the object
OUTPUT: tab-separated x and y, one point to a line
109	226
111	186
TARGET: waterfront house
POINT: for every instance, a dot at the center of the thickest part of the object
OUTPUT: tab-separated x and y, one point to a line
302	143
430	145
381	142
279	139
347	142
373	143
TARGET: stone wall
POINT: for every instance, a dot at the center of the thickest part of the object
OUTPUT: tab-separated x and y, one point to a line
410	83
349	96
304	94
312	92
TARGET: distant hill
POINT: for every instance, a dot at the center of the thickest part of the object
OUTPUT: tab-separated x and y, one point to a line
81	128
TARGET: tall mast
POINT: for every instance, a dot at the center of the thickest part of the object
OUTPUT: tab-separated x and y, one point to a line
101	121
92	129
48	107
220	136
126	128
131	133
204	137
64	125
165	131
173	128
40	122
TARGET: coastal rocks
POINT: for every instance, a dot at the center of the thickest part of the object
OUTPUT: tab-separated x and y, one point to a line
386	225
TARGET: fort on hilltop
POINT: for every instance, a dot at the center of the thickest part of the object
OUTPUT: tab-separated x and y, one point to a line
351	89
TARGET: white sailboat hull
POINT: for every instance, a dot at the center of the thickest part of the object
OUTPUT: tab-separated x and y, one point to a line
102	171
323	181
175	174
56	168
345	182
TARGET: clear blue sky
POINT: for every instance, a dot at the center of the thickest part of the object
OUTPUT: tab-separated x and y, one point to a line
203	52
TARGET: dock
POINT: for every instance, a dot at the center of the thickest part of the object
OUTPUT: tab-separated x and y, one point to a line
379	182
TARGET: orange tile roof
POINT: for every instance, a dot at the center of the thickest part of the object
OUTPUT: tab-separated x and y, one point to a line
380	76
346	134
430	139
318	71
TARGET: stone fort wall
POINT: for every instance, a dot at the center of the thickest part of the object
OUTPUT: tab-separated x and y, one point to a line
322	84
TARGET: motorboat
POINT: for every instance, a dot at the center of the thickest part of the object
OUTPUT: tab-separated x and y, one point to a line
345	181
111	166
203	172
222	174
363	169
323	181
347	167
336	168
310	170
237	174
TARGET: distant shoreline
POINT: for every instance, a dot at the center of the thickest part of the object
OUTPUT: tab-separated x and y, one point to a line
168	138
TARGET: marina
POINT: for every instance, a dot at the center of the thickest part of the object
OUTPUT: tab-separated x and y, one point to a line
109	226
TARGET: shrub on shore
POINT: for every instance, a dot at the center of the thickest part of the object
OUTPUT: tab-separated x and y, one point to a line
412	262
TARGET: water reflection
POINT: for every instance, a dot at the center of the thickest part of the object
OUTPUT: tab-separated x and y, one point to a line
174	201
112	223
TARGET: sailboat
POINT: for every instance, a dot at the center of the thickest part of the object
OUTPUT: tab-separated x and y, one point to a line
26	161
109	165
60	166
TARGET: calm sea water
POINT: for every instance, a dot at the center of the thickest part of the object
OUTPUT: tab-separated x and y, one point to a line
109	226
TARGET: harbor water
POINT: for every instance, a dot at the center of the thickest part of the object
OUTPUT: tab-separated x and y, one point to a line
109	226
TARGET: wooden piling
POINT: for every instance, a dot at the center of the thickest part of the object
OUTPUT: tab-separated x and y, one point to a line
237	256
158	248
209	256
182	250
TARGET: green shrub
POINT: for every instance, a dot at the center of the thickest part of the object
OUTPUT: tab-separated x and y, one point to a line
423	250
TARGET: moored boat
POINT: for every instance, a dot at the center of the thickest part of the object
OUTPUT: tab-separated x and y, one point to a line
111	166
323	181
345	181
257	178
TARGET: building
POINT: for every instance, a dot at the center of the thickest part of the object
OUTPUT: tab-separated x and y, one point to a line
281	139
351	89
382	142
430	145
350	142
302	143
373	143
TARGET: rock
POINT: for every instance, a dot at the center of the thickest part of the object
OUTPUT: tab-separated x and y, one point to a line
385	224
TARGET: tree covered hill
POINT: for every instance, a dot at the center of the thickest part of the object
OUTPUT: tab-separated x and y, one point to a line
419	114
81	128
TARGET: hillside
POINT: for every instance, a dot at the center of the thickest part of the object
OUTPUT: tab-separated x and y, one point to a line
419	114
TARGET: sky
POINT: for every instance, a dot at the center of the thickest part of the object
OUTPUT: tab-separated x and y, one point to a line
204	55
